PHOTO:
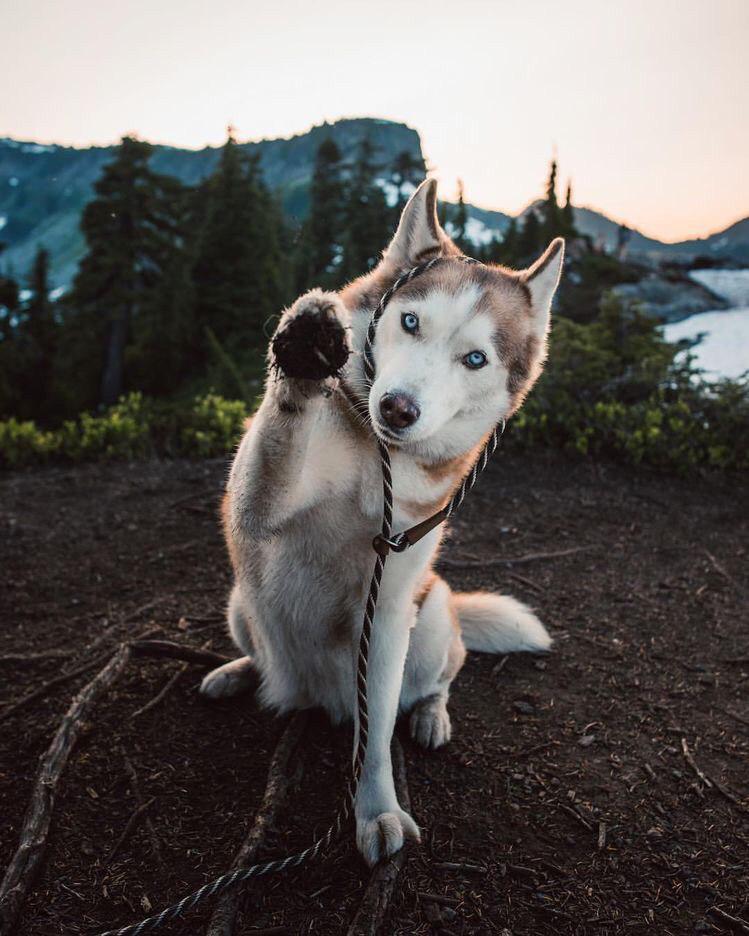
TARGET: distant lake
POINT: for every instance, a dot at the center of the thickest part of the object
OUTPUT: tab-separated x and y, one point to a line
724	351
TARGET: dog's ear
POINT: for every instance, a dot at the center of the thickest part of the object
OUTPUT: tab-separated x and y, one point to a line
419	236
542	280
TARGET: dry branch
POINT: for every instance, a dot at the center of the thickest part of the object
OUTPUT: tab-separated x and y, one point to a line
282	774
693	764
176	651
140	800
735	923
459	564
22	658
129	826
44	687
26	861
374	905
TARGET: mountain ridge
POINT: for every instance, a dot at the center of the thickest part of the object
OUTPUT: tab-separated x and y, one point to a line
44	187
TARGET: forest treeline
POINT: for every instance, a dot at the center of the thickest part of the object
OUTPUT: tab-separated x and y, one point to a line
158	346
179	286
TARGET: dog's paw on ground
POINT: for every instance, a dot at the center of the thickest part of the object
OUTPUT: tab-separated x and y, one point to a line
430	723
229	679
384	835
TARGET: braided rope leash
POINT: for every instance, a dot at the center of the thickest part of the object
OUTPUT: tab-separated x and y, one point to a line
383	543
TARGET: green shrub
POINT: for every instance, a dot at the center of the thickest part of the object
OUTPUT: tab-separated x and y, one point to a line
612	388
214	426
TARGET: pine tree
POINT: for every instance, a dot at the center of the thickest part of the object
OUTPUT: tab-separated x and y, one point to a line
551	226
131	230
366	217
459	220
529	238
237	272
320	238
568	215
9	303
40	328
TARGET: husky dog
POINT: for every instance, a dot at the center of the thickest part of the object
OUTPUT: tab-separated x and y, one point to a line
455	350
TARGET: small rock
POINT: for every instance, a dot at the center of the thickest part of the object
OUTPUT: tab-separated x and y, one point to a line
586	740
524	708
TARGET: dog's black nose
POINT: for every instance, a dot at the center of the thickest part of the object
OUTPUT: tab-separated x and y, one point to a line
399	410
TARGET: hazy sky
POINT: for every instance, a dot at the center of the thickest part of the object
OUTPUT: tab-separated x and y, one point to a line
645	101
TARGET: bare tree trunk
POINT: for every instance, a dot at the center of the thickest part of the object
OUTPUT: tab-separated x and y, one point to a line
112	380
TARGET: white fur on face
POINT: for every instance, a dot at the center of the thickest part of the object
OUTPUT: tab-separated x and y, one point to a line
458	405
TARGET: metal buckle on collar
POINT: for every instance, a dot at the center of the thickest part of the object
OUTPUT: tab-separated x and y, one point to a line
382	546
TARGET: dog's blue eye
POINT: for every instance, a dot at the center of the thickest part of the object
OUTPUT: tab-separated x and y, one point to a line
410	322
475	359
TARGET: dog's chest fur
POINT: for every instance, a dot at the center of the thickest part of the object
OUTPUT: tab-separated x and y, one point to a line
305	586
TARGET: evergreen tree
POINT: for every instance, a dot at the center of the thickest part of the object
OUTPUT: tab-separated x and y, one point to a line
568	215
366	217
131	230
40	329
529	238
551	225
320	239
459	220
237	273
8	359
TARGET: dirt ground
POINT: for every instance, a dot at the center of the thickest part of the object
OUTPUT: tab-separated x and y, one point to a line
564	804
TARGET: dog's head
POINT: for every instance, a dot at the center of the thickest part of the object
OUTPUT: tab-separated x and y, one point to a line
459	347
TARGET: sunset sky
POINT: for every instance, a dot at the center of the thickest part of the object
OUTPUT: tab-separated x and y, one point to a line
645	101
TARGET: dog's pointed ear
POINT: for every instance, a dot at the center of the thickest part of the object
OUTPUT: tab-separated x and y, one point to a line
419	236
542	280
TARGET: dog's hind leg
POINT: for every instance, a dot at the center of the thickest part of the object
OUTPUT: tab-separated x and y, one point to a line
435	656
238	675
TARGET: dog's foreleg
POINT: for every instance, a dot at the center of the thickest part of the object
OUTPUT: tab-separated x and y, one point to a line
381	825
268	483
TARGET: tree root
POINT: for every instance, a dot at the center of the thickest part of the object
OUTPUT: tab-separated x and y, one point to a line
374	905
284	771
26	861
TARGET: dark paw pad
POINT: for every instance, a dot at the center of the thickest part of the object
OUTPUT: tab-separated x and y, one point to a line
312	346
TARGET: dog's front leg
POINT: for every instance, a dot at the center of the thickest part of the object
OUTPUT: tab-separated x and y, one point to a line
381	825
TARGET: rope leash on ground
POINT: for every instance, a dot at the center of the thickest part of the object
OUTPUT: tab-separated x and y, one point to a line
383	543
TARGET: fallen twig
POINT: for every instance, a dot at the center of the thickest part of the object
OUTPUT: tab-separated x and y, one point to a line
576	815
693	764
721	570
167	687
374	904
129	826
176	651
44	687
529	583
283	773
509	560
735	922
142	804
26	861
35	657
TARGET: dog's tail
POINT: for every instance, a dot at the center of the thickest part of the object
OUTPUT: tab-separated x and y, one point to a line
498	624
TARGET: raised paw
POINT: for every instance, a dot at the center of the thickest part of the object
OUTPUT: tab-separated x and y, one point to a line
229	679
430	722
384	835
311	342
